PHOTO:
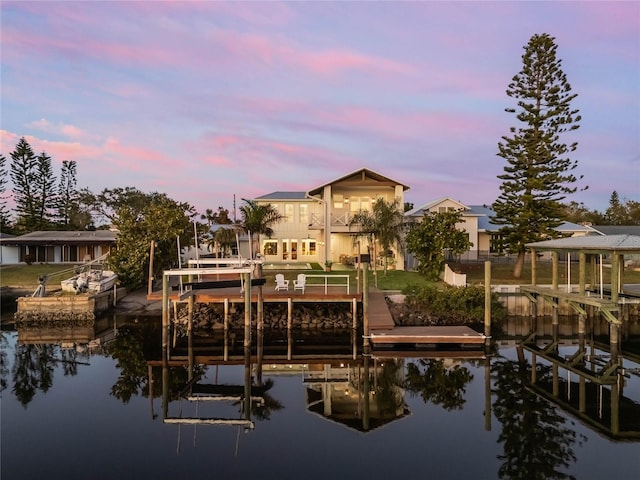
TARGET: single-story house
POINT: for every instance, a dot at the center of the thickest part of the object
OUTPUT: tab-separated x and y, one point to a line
56	246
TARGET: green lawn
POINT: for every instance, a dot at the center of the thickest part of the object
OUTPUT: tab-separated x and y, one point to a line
26	276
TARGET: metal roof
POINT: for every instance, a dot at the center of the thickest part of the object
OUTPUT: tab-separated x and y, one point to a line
591	243
283	196
617	229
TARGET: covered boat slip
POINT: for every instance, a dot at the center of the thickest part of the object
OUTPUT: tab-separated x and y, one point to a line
591	251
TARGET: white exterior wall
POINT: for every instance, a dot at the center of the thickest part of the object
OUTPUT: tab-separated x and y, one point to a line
334	239
9	255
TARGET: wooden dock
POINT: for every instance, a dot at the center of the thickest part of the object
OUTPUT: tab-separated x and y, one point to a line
382	328
449	335
384	332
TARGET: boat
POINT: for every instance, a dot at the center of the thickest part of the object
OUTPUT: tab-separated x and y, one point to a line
92	281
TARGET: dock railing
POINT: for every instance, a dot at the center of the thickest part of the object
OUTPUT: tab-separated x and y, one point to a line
338	281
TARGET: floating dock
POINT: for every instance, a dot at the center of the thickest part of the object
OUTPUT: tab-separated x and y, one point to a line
449	335
385	333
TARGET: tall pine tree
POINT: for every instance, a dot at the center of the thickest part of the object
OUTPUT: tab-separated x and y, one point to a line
67	202
44	192
538	174
23	174
4	179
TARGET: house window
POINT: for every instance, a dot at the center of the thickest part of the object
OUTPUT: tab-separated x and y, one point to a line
270	247
288	212
304	214
289	249
338	200
308	247
446	209
357	204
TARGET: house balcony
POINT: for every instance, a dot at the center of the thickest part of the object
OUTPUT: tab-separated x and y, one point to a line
339	222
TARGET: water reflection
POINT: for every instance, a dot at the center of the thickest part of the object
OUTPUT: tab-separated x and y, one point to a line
538	401
438	381
537	441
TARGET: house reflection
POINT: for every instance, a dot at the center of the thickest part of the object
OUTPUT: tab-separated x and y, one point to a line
360	397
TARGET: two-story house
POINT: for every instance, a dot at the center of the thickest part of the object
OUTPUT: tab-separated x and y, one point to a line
476	222
316	223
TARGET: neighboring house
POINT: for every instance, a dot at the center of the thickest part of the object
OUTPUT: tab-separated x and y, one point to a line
476	221
617	229
5	251
315	227
57	246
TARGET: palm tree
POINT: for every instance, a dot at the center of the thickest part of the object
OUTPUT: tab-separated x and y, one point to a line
225	239
208	217
385	223
257	218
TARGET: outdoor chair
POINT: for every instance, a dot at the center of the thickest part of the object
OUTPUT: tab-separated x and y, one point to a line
281	282
299	283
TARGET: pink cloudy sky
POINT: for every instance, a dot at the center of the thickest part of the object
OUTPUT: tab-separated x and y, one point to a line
207	100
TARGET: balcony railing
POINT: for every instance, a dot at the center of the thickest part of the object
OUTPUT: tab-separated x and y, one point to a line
337	220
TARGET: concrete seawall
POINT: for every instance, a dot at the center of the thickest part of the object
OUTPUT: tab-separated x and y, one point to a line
66	307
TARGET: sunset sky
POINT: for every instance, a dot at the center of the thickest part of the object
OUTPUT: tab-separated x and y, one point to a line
207	100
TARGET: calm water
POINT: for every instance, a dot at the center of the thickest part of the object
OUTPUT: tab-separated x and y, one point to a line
76	404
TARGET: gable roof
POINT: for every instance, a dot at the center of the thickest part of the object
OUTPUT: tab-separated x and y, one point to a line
428	206
359	177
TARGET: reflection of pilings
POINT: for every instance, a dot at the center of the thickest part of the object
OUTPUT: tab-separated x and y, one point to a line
365	389
150	383
165	384
247	380
487	394
259	355
615	409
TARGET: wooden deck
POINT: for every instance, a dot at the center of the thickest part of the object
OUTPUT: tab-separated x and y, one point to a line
269	295
383	330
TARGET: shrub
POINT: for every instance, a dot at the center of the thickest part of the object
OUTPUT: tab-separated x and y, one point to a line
450	303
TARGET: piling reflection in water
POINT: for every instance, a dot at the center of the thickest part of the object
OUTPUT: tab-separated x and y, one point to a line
209	378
